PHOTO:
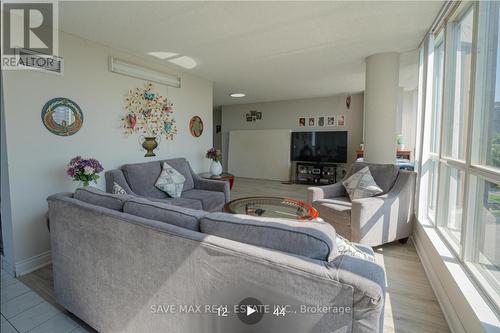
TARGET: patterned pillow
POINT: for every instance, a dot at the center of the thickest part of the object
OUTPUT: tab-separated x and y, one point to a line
170	181
361	185
117	189
345	247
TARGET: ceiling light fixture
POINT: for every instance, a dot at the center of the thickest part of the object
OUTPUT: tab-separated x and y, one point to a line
237	95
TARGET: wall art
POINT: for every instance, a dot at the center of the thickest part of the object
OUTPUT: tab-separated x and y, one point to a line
61	116
330	121
196	126
302	121
253	115
341	121
149	115
311	122
321	121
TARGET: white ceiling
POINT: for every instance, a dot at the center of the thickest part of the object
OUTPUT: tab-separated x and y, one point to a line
268	50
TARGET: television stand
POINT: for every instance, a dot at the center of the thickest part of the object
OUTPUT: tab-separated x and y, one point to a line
315	173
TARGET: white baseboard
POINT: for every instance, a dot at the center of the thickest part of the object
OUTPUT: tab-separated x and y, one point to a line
31	264
449	312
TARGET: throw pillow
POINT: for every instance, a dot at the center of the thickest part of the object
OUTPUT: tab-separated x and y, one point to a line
117	189
361	185
345	247
170	181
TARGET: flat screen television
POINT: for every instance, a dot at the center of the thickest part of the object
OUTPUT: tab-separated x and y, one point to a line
319	146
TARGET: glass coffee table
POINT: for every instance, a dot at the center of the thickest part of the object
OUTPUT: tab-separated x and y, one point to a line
272	207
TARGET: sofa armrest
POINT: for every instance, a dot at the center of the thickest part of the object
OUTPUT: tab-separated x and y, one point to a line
212	185
368	281
325	192
118	177
396	206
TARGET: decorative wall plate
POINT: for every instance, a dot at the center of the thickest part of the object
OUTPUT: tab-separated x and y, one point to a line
62	116
196	126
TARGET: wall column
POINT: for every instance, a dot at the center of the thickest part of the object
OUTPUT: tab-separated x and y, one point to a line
381	104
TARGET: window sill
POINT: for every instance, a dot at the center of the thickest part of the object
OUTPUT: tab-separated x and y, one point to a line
462	303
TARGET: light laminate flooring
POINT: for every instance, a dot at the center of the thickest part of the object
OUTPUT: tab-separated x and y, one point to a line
411	305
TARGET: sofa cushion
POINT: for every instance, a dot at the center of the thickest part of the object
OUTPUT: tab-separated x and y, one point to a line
180	202
182	165
361	185
170	181
315	240
95	196
179	216
336	209
346	247
117	189
142	177
384	174
210	200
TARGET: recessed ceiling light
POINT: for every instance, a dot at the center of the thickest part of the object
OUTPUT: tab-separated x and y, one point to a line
237	95
163	55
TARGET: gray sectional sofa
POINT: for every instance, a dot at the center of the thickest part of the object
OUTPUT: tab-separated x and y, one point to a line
123	263
198	193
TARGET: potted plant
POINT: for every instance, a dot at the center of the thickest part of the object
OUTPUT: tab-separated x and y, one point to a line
84	170
216	157
400	142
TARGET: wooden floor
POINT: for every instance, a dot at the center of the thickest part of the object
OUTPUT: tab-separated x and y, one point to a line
411	305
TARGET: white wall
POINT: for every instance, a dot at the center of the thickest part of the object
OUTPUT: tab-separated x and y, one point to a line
408	120
285	115
37	158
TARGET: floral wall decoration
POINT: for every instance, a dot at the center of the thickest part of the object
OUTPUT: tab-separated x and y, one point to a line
149	114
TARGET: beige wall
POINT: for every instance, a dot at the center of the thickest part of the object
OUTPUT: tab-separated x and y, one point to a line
285	115
37	158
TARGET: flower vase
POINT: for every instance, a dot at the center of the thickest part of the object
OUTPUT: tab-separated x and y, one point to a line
150	143
215	168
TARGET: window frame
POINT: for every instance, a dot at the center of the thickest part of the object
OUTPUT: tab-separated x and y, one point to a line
469	249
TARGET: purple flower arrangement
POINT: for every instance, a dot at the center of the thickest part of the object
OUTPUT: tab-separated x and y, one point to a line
84	170
214	154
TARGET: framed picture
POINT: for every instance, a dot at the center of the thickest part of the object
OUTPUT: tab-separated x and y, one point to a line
341	121
258	115
249	117
218	128
330	121
321	121
311	122
302	121
196	126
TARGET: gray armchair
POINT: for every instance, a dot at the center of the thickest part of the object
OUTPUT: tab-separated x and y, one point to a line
370	221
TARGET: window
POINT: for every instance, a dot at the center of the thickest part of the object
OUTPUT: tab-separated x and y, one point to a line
437	96
459	189
451	203
457	106
432	188
486	150
485	237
